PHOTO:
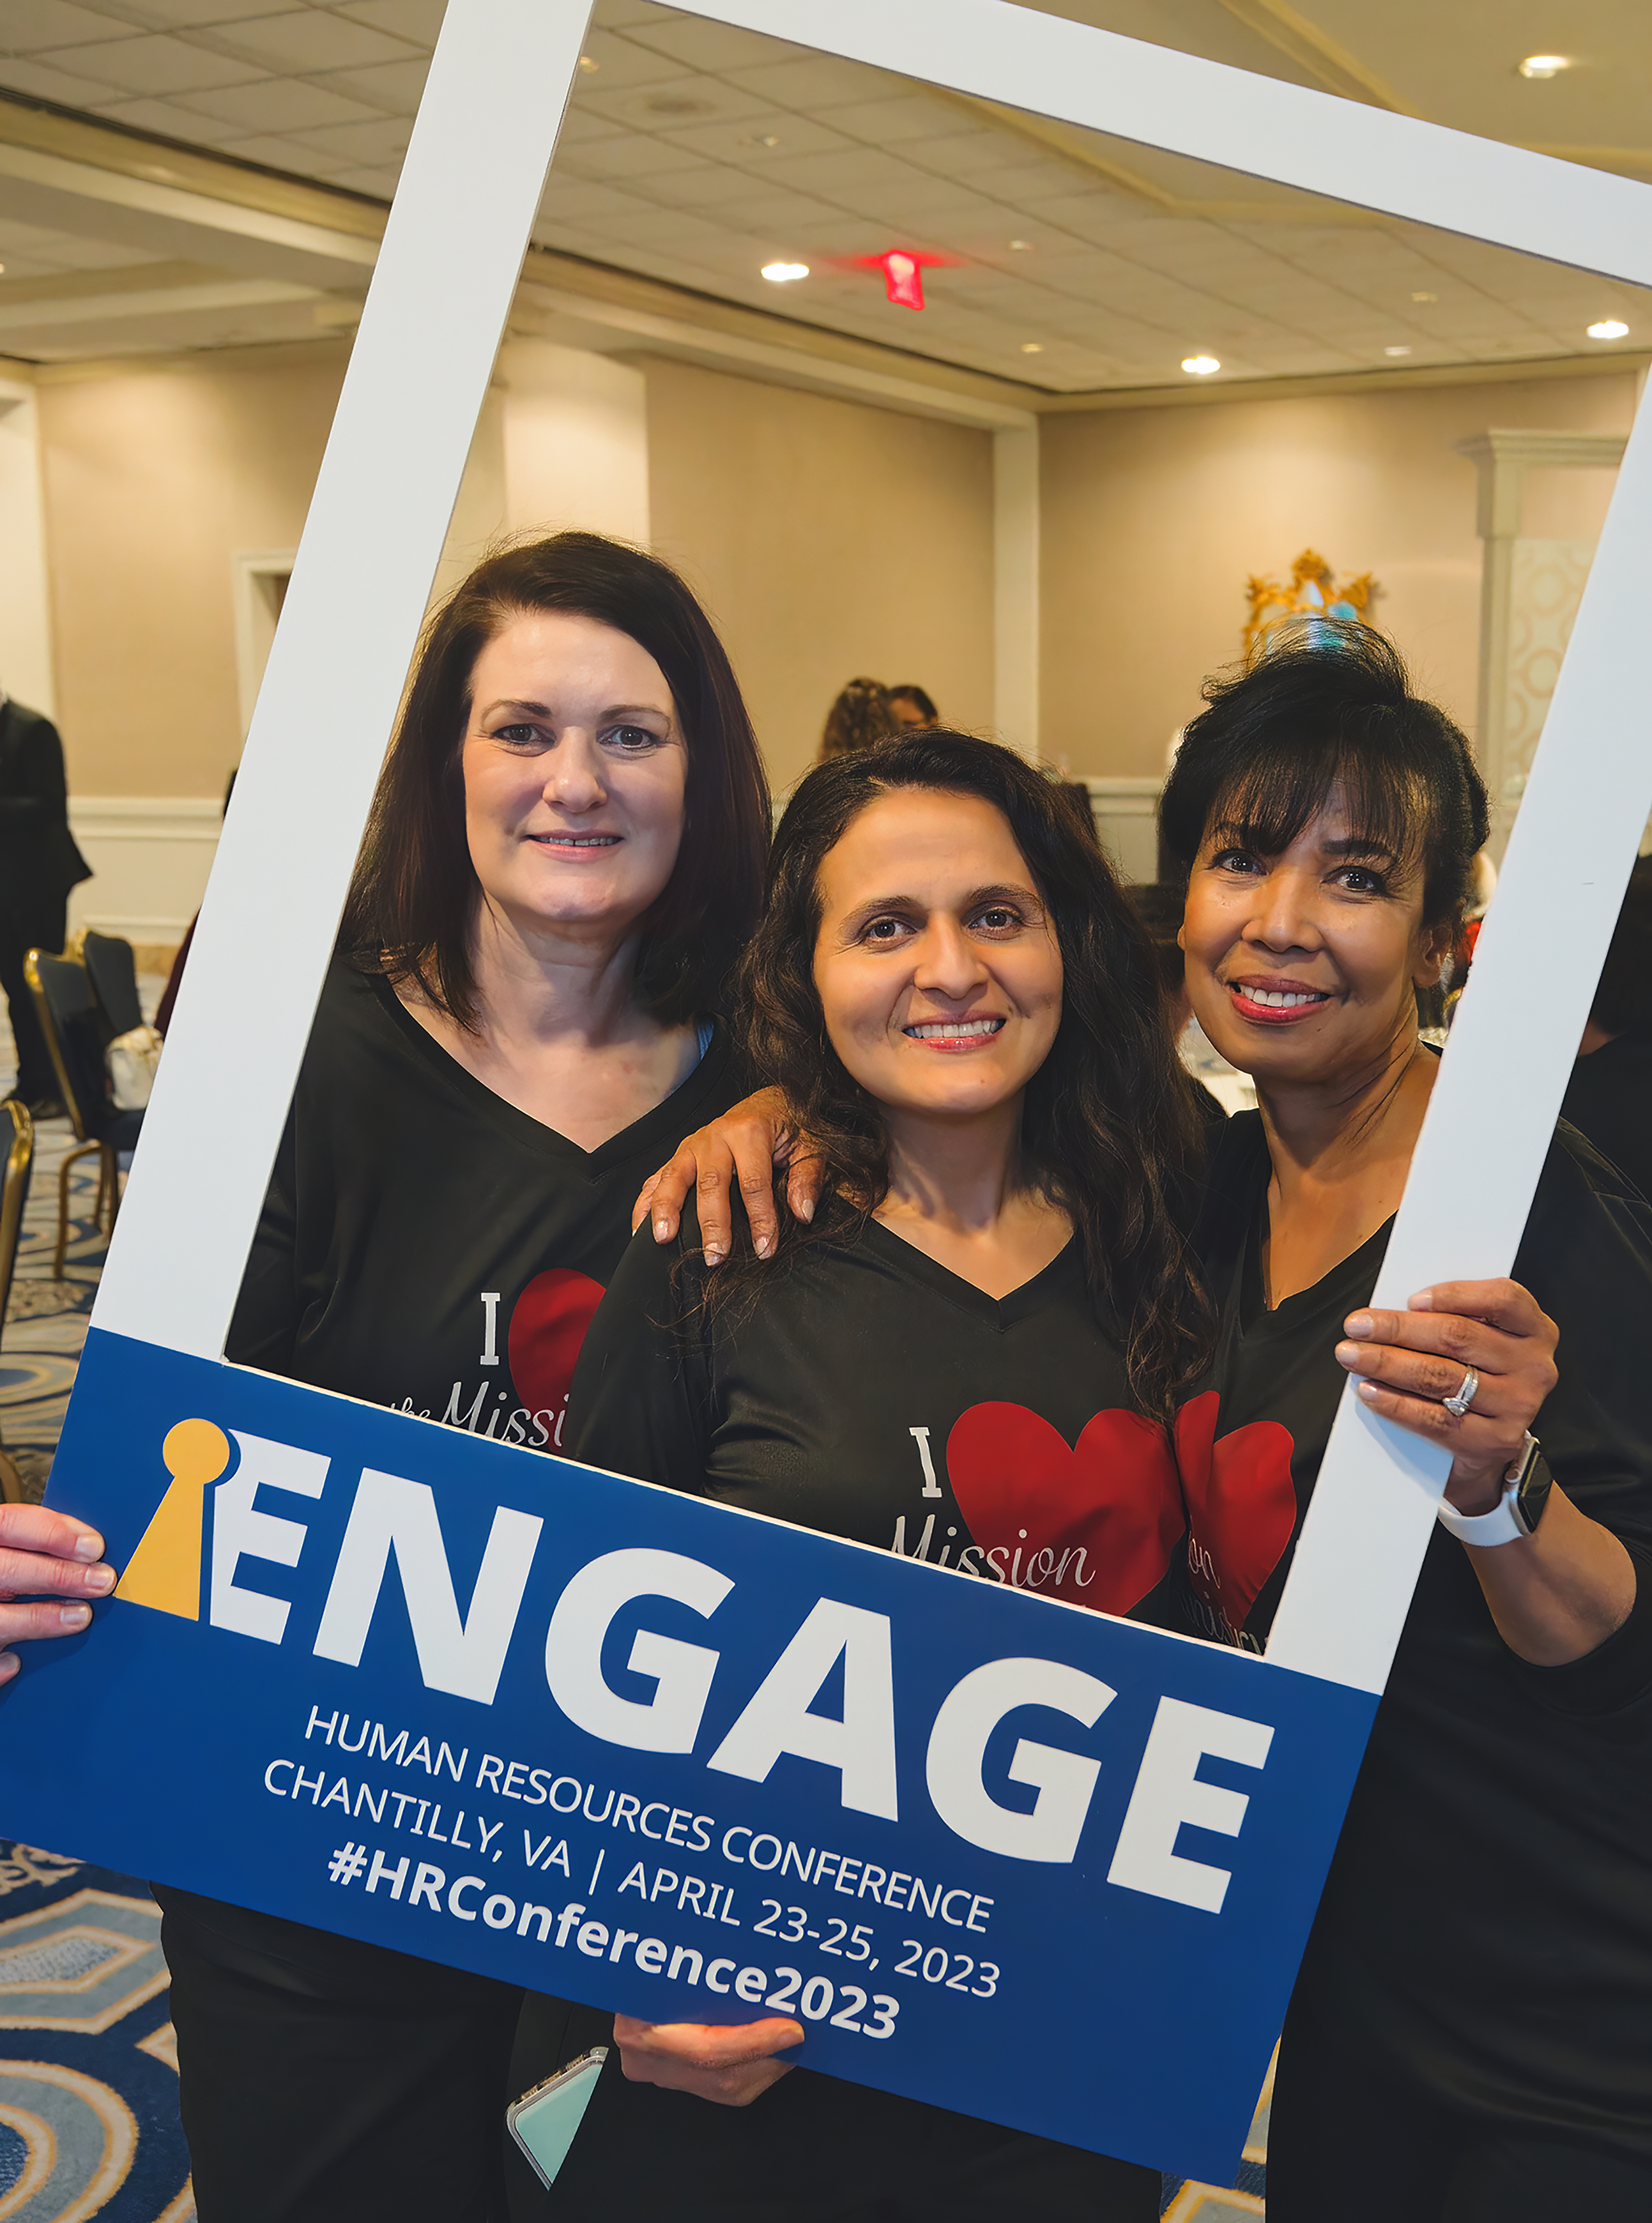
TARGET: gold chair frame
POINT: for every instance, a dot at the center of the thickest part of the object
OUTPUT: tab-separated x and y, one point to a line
20	1154
109	1183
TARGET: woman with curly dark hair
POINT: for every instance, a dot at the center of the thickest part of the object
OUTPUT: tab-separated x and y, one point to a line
954	996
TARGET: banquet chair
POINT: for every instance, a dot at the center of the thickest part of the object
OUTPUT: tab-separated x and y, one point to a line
112	966
14	1169
73	1027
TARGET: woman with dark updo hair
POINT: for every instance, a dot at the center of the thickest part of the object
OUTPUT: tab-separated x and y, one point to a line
564	856
1470	2034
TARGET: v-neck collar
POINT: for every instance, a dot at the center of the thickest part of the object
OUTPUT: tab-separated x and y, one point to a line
673	1118
1000	1312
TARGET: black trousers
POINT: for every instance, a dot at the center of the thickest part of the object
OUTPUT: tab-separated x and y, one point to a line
1351	2140
23	927
323	2081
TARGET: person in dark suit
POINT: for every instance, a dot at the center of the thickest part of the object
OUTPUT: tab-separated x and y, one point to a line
39	864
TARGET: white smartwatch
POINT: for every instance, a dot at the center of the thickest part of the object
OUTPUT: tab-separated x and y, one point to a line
1517	1513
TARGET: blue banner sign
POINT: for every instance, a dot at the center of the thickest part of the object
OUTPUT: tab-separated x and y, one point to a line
625	1747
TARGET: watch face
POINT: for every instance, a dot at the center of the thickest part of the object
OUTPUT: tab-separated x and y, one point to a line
1532	1496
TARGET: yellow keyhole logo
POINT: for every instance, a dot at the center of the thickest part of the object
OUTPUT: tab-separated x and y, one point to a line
165	1570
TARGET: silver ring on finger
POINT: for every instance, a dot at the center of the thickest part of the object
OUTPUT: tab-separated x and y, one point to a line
1458	1405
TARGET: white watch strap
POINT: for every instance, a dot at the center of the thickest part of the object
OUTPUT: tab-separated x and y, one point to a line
1499	1526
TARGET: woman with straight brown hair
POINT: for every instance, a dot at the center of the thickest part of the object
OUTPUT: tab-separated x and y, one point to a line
564	856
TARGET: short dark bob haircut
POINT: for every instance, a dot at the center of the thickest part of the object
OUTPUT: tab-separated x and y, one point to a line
413	902
1109	1130
1329	705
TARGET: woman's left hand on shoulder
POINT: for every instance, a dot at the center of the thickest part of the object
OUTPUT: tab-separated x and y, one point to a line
1411	1362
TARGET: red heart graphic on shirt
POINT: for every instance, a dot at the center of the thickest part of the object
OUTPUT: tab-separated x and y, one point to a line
547	1325
1241	1505
1107	1509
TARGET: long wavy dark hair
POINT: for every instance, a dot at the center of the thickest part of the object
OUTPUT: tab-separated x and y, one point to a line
412	901
1109	1130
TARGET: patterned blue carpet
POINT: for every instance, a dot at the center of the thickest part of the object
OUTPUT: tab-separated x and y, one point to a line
89	2096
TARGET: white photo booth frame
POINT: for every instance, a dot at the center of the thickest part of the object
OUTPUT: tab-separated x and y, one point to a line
452	250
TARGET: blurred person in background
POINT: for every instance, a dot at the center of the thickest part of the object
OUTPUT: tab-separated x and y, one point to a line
1608	1096
861	717
912	708
39	864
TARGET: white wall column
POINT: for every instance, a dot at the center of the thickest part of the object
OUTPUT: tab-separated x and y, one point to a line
1015	586
26	666
1511	703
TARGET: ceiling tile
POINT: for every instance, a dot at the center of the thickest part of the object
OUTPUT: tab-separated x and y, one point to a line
908	117
309	41
156	65
168	120
707	45
416	19
300	156
192	14
279	105
622	62
396	86
633	156
36	26
741	141
43	82
616	15
817	82
673	103
382	140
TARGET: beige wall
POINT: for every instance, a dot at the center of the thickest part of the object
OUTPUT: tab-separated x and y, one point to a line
828	539
1153	519
154	478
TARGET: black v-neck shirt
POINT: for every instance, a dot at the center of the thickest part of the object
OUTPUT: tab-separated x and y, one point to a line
425	1245
1487	1925
866	1391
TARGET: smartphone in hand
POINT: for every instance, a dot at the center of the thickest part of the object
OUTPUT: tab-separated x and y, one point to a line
543	2121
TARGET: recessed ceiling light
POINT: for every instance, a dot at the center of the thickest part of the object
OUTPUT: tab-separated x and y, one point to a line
676	103
1608	328
590	63
1021	246
1200	365
1397	350
1033	347
784	273
1544	65
763	139
1425	297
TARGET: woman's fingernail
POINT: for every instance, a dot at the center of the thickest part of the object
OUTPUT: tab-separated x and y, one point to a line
806	1210
99	1579
9	1663
713	1254
1349	1354
74	1616
1371	1391
90	1545
763	1245
1423	1302
1359	1323
662	1230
